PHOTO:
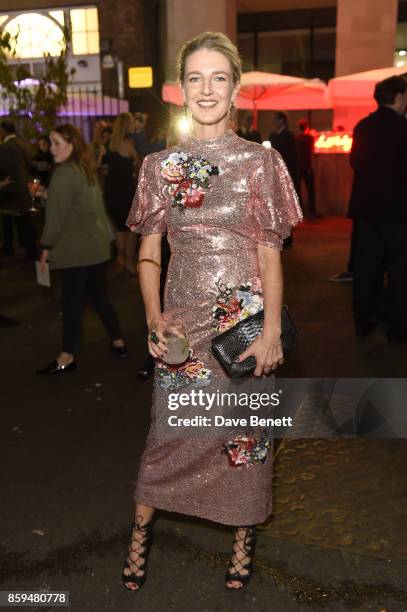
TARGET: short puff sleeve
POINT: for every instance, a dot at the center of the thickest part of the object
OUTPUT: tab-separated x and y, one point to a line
147	212
276	208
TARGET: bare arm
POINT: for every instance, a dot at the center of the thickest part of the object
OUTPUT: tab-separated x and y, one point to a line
271	275
149	278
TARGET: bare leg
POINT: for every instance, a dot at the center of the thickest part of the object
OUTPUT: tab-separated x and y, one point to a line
139	547
145	512
241	566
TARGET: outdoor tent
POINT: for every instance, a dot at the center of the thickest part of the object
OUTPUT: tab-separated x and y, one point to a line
352	95
357	89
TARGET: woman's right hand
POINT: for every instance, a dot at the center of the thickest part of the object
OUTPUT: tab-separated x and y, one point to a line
44	260
156	330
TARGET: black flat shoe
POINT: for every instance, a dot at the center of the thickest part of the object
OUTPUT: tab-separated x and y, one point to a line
56	368
121	351
146	370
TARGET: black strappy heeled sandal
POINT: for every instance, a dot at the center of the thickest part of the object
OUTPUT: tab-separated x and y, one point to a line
141	537
241	566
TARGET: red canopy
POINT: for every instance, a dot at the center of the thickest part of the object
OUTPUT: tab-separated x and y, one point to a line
267	91
357	89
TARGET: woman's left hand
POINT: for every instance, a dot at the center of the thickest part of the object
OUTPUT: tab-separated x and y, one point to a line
267	352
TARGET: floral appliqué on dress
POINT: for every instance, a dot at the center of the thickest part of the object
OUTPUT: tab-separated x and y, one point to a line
172	377
188	177
235	304
248	450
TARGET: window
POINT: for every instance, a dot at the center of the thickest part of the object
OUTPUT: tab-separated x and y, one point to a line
42	32
246	45
36	35
400	54
85	31
323	53
302	52
285	52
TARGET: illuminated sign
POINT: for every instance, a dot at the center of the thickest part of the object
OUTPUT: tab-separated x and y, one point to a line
333	142
140	77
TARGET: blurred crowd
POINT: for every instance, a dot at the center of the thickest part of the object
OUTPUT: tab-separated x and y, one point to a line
117	149
378	254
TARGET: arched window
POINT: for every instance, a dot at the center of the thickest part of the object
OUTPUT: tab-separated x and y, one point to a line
36	35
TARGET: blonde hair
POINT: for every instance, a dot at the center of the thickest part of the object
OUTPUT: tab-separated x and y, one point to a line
215	41
123	124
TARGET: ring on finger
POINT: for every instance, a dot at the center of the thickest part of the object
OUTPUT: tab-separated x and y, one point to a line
154	338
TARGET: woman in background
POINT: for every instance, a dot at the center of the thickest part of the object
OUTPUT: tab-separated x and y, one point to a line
122	162
76	240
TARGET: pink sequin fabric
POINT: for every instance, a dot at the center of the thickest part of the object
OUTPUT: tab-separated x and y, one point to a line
252	201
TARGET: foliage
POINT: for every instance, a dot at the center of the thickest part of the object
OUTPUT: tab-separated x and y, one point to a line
33	105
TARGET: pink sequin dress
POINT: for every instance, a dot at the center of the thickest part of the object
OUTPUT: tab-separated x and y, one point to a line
250	201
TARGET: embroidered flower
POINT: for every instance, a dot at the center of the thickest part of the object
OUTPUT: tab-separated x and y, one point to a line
234	305
188	178
248	450
176	376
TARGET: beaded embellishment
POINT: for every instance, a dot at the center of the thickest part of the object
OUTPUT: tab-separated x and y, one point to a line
235	304
172	377
187	178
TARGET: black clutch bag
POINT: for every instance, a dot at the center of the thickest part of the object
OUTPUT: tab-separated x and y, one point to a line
231	343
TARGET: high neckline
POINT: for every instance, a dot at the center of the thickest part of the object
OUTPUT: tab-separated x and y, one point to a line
219	140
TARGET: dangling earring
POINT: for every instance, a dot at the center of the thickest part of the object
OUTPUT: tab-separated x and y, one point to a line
187	117
232	111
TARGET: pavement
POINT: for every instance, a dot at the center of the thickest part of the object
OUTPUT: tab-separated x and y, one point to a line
70	448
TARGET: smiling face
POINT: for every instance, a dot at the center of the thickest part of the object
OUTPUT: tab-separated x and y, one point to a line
208	87
60	148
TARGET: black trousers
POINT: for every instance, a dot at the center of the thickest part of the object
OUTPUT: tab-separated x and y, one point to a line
25	232
308	177
380	248
75	284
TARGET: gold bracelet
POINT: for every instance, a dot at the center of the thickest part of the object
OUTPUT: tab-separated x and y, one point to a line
150	260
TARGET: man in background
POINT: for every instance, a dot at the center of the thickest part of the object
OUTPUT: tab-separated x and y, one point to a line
305	153
247	131
378	206
283	140
15	199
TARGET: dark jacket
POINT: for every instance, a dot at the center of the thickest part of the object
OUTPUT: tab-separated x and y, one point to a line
305	151
379	159
42	166
286	145
15	197
251	135
76	230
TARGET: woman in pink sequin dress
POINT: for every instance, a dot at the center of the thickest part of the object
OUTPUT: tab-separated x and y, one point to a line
226	204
